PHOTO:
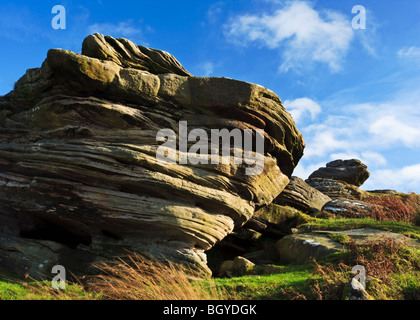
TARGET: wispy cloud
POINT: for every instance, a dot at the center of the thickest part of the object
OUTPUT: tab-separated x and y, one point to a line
20	24
207	68
301	108
125	29
214	12
371	132
409	53
365	127
304	35
405	179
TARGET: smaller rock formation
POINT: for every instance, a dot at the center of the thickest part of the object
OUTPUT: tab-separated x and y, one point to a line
336	189
300	195
301	247
237	267
349	208
352	171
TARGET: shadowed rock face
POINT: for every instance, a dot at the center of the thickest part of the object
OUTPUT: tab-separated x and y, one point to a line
298	194
79	178
336	189
352	171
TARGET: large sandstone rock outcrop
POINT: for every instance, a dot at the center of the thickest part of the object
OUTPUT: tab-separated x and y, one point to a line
79	178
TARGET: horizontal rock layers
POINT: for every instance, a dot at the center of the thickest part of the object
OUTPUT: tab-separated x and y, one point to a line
79	178
351	171
298	194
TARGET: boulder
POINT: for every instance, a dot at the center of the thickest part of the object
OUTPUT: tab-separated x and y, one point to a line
301	247
238	267
363	235
298	194
352	171
336	189
275	220
349	208
242	266
79	171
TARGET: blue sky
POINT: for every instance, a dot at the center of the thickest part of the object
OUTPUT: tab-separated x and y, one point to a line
354	93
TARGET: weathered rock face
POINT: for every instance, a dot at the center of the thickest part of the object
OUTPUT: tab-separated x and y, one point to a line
79	177
298	248
336	189
298	194
350	171
349	208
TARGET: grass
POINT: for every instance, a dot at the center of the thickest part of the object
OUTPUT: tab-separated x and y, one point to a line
40	290
393	270
339	224
340	238
268	287
129	278
139	278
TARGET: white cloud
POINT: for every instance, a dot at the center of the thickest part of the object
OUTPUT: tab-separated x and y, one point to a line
301	107
365	130
411	53
367	157
304	172
375	133
330	136
207	69
303	35
126	29
344	155
324	142
214	12
373	158
391	130
405	179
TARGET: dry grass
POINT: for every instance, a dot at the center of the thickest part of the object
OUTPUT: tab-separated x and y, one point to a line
134	277
385	257
413	200
391	207
381	259
140	278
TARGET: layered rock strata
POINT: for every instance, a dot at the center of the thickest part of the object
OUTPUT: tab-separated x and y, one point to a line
79	176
